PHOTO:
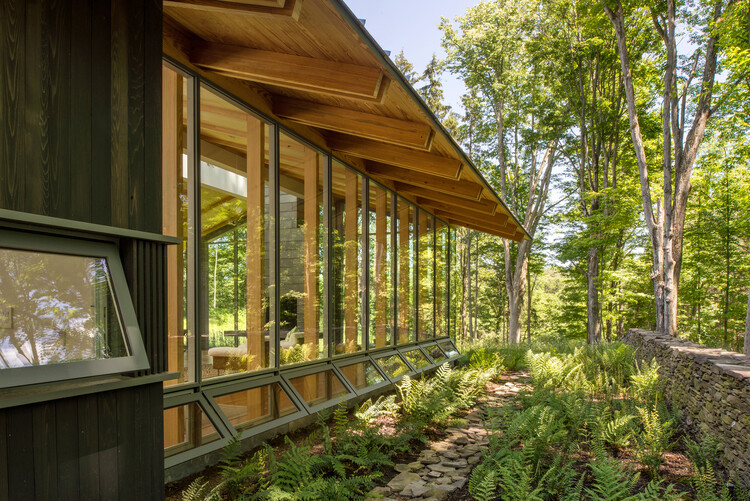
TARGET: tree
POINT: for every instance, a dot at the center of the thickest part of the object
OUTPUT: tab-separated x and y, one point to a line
406	68
666	222
489	49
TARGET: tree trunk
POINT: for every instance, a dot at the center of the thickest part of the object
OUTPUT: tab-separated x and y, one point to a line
593	326
746	350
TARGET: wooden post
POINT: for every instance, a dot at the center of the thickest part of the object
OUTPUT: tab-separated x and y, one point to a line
381	272
351	275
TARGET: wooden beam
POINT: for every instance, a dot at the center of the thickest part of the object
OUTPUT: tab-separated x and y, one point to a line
356	123
420	161
484	206
498	221
263	8
486	226
516	236
292	71
459	188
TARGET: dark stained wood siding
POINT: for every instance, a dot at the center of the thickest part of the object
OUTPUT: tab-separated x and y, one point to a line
99	446
80	110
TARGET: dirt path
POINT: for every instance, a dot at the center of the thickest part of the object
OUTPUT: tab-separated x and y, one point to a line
442	469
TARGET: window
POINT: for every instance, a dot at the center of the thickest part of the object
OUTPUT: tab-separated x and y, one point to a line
65	311
436	354
442	271
406	262
249	408
380	266
361	375
318	388
393	365
448	348
426	276
416	358
187	427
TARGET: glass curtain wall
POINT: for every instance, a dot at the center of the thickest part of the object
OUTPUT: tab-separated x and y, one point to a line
301	246
405	271
380	233
442	271
348	294
426	293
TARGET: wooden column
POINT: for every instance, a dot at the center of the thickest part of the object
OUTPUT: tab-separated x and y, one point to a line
381	271
351	275
312	175
404	307
172	183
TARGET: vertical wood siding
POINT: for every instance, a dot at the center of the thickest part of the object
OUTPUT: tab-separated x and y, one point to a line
80	110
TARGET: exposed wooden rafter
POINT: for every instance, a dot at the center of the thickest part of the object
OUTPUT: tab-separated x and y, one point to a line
512	234
459	188
356	123
288	8
292	71
425	195
498	222
420	161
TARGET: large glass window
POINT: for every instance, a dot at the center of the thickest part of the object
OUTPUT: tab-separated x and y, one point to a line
442	272
426	276
380	231
393	365
249	408
319	388
186	427
234	279
406	262
301	246
361	375
347	259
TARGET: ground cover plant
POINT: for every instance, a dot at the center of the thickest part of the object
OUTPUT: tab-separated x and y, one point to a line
344	456
593	426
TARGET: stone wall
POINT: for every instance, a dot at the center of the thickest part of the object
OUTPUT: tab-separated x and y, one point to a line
710	386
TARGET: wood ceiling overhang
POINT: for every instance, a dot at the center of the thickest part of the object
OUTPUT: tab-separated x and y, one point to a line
313	67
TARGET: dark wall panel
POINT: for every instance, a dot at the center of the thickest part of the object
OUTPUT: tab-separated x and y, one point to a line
80	114
99	446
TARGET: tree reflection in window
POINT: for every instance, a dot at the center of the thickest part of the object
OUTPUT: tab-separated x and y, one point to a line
56	308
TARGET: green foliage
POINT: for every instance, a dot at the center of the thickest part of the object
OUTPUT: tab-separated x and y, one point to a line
294	355
644	384
615	432
369	411
655	438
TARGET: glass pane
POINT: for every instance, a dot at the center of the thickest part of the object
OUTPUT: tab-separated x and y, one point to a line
318	388
234	277
426	276
416	358
301	246
442	274
380	266
180	347
362	375
405	233
187	427
393	365
56	308
249	408
449	349
436	354
348	281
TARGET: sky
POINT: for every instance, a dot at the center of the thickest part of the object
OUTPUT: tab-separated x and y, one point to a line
412	25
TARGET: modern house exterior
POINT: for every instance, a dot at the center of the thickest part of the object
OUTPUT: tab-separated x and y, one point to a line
216	219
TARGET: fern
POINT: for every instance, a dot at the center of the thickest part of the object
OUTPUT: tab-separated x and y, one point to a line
655	439
196	491
611	482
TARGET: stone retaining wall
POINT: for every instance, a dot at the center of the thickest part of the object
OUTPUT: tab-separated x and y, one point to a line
710	386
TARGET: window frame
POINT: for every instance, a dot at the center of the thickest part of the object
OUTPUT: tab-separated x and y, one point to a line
137	360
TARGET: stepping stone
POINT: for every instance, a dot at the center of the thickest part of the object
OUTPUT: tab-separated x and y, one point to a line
416	489
415	466
401	467
435	474
400	481
441	468
460	463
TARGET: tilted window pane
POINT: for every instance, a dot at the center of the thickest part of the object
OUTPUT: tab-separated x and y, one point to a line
301	247
362	375
234	276
436	354
186	427
380	266
416	358
406	262
393	365
57	308
449	349
175	204
249	408
318	388
348	281
426	277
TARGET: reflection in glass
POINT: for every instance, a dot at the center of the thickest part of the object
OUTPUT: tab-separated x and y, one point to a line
234	277
318	388
380	266
175	204
442	271
436	354
348	281
393	365
416	358
301	245
186	427
426	294
405	264
249	408
362	375
56	308
449	349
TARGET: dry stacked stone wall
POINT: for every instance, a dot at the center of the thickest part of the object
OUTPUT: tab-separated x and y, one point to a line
710	386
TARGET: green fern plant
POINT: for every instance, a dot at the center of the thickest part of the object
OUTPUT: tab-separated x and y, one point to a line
655	439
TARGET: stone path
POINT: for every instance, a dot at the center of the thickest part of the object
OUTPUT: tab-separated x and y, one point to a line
444	467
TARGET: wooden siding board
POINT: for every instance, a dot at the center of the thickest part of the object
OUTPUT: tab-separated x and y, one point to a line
45	450
88	446
151	202
100	112
108	454
21	453
135	117
36	127
119	199
127	467
68	476
3	457
81	57
12	103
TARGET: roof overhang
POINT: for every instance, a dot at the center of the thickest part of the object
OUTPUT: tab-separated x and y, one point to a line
314	68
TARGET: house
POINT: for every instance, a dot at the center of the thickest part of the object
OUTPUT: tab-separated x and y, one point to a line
216	219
